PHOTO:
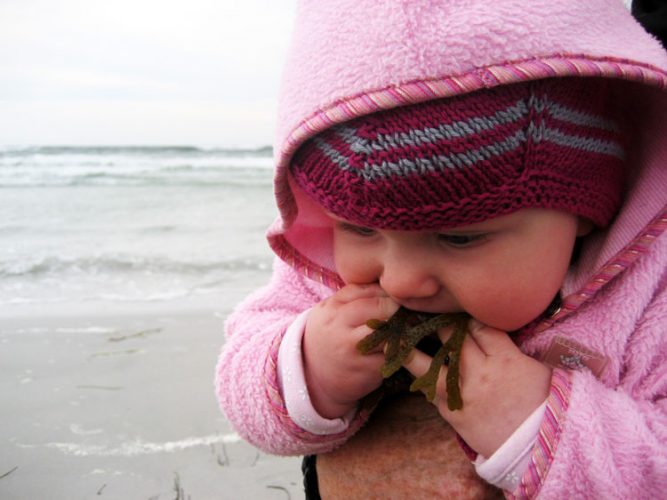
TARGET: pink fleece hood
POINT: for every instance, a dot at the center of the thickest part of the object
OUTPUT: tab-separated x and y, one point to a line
351	58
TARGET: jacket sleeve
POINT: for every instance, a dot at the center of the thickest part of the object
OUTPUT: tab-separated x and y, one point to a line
607	442
246	374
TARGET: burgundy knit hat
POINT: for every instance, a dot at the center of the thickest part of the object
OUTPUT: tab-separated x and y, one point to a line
451	162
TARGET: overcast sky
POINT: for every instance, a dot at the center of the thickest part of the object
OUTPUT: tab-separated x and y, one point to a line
201	72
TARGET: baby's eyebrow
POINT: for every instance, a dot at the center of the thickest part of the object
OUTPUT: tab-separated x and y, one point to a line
330	214
462	231
338	219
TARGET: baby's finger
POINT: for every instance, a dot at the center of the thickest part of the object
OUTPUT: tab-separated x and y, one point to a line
490	340
350	293
418	363
366	342
473	353
364	309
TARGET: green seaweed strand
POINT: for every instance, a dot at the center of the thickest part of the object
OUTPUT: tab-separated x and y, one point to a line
401	339
452	349
389	330
410	339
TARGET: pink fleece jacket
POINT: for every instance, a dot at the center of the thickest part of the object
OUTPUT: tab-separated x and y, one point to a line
604	430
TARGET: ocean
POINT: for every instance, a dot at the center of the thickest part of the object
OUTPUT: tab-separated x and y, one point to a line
118	267
85	225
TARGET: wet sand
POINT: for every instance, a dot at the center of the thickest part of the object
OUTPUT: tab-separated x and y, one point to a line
118	402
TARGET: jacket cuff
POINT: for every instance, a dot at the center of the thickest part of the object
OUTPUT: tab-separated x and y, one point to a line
548	436
275	397
508	464
292	381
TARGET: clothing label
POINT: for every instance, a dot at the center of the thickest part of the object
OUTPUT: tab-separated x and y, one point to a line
568	354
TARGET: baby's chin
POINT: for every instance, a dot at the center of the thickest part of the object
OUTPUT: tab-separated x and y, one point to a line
505	324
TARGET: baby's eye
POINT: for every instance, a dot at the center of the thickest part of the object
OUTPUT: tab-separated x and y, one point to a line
354	229
461	240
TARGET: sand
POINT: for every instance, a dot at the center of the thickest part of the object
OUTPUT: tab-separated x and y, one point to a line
117	401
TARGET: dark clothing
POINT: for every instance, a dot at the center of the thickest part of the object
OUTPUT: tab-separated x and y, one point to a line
652	14
310	485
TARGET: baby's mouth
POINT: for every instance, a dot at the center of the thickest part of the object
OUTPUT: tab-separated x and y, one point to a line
426	308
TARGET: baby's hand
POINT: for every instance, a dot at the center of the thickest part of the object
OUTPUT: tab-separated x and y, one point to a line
500	386
337	374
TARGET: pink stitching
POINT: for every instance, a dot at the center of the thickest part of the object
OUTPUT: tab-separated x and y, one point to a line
404	94
548	437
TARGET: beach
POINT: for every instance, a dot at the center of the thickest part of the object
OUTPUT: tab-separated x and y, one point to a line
114	287
120	404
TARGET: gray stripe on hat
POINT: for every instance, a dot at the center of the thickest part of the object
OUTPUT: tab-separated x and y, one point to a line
463	128
588	144
357	144
416	137
564	114
403	167
569	115
332	154
445	131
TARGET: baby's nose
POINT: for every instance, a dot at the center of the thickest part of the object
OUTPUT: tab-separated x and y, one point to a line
404	281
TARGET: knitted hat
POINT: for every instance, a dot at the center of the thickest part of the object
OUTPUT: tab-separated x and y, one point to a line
451	162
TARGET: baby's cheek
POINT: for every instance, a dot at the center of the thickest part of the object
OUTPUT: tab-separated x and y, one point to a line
506	312
356	277
510	300
355	270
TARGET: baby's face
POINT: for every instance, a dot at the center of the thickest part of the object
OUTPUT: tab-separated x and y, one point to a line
504	271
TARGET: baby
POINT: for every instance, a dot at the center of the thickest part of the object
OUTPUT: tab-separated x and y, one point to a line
531	205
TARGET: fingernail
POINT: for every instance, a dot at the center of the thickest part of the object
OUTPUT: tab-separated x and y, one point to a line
474	325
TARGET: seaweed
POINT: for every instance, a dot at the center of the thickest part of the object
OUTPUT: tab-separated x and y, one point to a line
401	335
